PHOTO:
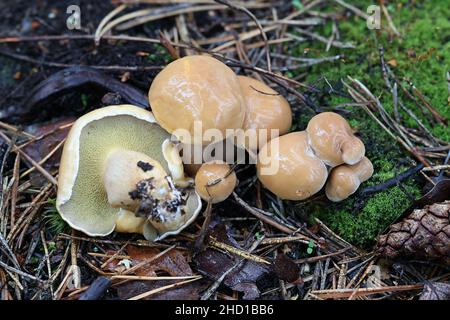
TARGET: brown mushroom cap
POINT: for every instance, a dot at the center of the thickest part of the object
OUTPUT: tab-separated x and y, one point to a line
214	181
266	109
333	141
300	173
345	179
197	88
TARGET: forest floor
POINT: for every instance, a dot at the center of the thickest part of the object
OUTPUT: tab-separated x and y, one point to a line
323	50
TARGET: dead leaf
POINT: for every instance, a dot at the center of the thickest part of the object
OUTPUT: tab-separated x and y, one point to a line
41	148
392	62
286	269
214	264
411	53
173	262
189	291
435	291
440	192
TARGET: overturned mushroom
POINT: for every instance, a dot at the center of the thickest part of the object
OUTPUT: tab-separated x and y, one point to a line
215	181
333	141
197	90
288	167
266	110
345	179
118	159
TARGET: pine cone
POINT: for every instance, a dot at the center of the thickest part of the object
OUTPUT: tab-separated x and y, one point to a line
425	233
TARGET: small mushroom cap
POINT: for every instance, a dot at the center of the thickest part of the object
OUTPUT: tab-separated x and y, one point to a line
266	109
299	175
82	199
333	141
197	88
215	181
345	179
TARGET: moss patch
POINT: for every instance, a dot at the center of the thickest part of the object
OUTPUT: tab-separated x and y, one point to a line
422	55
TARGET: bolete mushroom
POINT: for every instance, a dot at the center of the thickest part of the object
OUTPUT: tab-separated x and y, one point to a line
197	90
333	141
115	160
266	110
345	179
215	181
289	168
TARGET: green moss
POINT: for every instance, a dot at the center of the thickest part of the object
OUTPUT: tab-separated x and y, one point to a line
360	226
422	55
53	219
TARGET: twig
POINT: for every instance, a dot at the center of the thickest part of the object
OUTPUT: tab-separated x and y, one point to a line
252	16
39	168
393	181
170	286
21	273
262	216
241	253
389	19
345	293
96	289
355	10
210	291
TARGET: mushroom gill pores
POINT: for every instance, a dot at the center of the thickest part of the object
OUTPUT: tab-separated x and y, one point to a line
118	166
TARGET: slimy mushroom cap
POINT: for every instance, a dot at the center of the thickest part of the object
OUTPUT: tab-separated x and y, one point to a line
345	179
266	109
297	173
332	139
197	88
215	181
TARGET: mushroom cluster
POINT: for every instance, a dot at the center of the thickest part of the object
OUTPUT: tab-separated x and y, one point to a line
202	90
327	152
122	170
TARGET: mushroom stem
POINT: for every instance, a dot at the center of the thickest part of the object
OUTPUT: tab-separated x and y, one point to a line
124	171
135	182
127	222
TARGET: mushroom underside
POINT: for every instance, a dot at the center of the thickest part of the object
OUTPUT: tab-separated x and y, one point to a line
88	209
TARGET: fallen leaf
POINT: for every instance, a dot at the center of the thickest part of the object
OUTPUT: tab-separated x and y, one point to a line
286	269
173	262
41	148
438	193
189	291
392	62
213	264
435	291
